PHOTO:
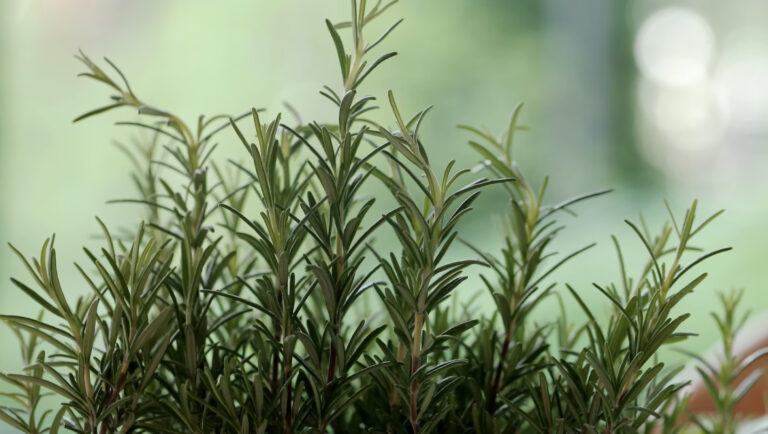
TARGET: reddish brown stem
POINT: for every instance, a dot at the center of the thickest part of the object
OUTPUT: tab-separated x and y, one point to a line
115	392
414	405
332	357
418	323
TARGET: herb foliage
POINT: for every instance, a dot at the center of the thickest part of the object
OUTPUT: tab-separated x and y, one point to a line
212	317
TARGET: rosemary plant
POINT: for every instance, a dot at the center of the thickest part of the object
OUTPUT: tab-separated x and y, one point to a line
233	305
727	379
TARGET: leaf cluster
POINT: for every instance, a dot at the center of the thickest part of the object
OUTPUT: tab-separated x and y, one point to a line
237	303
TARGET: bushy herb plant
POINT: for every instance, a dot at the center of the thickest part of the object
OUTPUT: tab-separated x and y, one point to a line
235	304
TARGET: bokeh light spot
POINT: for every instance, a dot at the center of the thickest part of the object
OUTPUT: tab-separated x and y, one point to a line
674	47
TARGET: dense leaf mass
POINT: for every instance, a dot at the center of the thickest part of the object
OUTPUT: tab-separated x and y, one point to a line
254	298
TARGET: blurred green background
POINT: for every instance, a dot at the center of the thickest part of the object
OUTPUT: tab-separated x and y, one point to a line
658	100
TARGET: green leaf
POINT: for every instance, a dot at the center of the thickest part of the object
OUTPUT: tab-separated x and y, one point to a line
339	50
97	111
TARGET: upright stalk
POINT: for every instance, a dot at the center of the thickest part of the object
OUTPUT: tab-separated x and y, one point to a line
519	273
427	232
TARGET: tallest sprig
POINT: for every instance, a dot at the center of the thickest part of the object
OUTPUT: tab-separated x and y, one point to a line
341	227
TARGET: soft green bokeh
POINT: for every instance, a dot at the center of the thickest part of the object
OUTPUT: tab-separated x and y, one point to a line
473	60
